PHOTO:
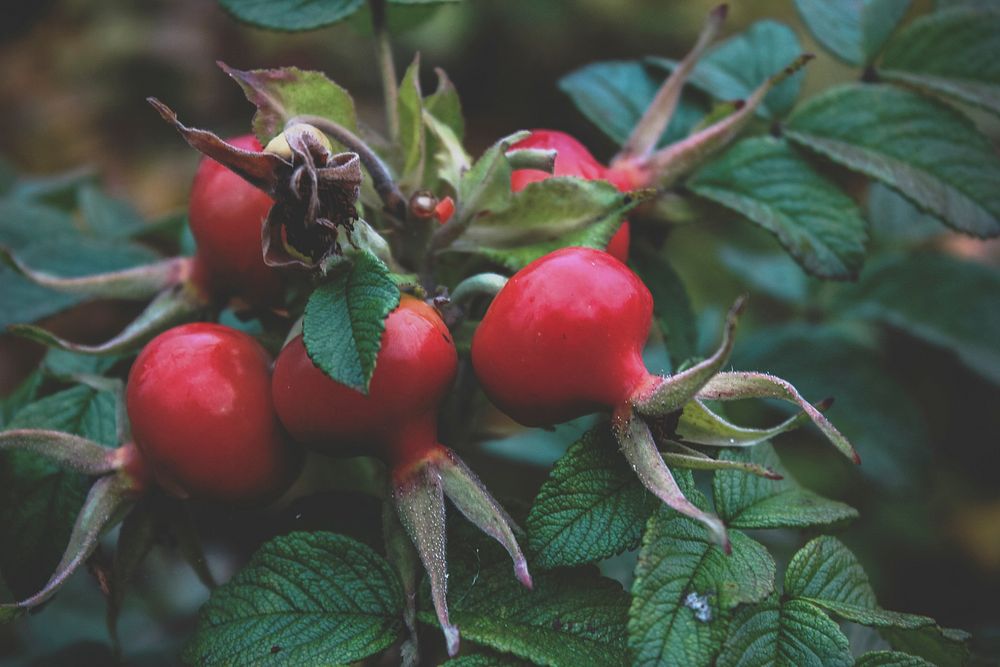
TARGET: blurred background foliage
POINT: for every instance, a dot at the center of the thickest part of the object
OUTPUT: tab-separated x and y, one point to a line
76	76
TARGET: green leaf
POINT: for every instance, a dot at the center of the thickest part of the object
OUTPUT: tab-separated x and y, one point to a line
671	304
951	53
736	67
486	660
571	617
825	573
545	216
790	634
748	501
772	273
852	31
939	299
685	586
411	128
22	395
65	364
890	659
592	506
107	217
25	223
894	219
614	94
943	647
58	190
892	440
446	127
291	15
64	255
282	94
486	185
922	148
445	105
767	181
303	599
344	320
39	501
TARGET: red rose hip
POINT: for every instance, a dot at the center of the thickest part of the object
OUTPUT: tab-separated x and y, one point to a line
199	401
226	215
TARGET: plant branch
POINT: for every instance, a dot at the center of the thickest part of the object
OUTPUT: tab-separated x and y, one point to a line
387	68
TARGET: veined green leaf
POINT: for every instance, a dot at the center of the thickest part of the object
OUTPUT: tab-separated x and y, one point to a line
765	180
685	586
281	94
344	320
825	573
853	31
591	507
550	214
784	634
937	298
922	148
748	501
304	599
291	15
952	53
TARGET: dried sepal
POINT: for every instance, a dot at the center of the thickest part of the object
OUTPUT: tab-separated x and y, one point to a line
315	190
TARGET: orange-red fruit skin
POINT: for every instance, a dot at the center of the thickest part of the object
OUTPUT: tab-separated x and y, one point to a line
226	215
397	420
199	402
564	338
572	159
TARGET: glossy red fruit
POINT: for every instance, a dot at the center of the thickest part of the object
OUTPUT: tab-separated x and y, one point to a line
226	215
572	159
564	338
397	420
199	402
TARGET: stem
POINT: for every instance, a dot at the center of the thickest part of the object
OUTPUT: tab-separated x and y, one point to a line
481	284
533	158
654	121
381	177
387	67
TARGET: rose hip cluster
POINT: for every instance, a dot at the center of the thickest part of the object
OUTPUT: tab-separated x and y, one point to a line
212	418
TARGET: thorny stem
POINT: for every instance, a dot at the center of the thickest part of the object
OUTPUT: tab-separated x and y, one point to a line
382	179
383	54
654	121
